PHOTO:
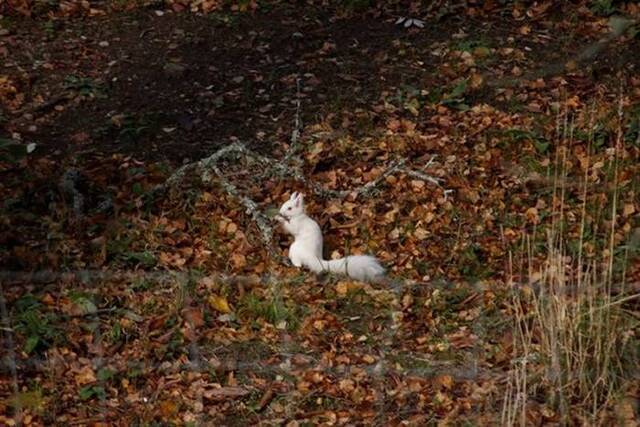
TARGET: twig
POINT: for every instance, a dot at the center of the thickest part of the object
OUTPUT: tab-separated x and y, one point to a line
66	96
281	169
297	126
367	188
421	175
260	219
293	163
395	166
98	312
267	397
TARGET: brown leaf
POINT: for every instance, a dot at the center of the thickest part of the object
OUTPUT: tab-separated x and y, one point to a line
225	393
194	316
168	408
85	376
444	381
266	399
238	260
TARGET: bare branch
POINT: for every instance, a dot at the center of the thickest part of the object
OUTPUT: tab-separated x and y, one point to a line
421	175
261	220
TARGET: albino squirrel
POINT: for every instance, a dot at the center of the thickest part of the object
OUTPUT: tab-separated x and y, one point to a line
306	249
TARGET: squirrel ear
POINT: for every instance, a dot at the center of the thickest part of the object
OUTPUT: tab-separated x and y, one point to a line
294	195
300	199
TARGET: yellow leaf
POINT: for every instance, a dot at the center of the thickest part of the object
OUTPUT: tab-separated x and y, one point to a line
219	303
346	385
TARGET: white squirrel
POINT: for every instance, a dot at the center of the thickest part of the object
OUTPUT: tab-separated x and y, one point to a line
306	249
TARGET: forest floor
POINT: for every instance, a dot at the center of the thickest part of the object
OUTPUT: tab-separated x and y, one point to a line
125	305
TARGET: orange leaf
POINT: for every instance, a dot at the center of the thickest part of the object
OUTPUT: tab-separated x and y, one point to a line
168	408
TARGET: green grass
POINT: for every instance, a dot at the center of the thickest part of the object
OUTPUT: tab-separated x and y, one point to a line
36	324
271	308
472	263
131	127
469	45
604	7
85	87
519	136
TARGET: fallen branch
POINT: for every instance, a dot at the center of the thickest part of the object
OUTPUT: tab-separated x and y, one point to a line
271	167
367	188
261	220
30	109
421	175
287	167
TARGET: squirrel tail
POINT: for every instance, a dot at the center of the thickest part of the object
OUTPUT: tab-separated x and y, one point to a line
359	267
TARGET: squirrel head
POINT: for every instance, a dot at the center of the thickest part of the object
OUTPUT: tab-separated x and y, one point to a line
292	207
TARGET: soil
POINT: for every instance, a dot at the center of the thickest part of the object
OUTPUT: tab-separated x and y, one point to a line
178	86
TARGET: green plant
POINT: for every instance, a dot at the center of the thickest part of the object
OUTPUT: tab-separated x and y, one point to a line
603	7
50	28
271	309
36	324
472	263
85	87
120	248
599	135
12	151
32	400
632	134
357	5
470	45
540	143
406	97
456	97
91	391
143	258
130	127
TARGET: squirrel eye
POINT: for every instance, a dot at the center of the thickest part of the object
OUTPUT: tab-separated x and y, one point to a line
289	208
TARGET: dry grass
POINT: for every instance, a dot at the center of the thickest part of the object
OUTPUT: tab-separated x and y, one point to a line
574	340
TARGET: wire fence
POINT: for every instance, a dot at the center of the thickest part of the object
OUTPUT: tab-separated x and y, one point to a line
383	338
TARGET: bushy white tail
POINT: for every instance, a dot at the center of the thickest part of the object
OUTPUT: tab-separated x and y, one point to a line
359	267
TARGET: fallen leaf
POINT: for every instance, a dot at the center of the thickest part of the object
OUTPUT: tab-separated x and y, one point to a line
85	376
224	393
168	408
219	303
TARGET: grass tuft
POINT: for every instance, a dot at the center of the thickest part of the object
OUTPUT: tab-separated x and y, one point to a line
574	344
